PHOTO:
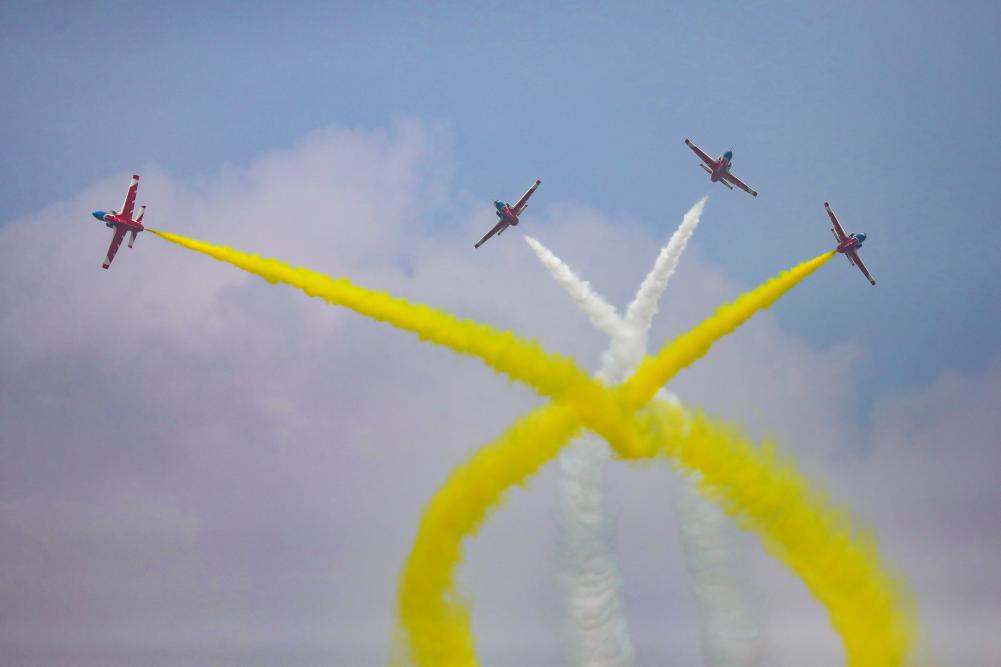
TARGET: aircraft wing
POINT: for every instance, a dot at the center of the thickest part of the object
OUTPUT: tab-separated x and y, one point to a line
116	241
523	202
497	228
130	198
701	153
740	184
838	230
857	261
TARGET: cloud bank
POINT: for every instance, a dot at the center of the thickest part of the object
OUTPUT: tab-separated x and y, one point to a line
158	507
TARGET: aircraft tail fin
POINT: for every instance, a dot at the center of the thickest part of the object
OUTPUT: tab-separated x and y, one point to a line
142	212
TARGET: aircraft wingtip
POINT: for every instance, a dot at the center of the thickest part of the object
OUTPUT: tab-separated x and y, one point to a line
826	205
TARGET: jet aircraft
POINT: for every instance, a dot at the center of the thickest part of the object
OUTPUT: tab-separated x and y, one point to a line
508	214
848	244
719	169
121	221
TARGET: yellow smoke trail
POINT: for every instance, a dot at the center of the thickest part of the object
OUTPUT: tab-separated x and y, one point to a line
843	571
684	350
434	619
550	374
838	563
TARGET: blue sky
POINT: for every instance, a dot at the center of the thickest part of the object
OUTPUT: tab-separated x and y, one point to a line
251	473
887	110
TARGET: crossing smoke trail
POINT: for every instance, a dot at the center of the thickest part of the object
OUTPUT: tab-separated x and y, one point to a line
731	632
592	583
596	624
838	564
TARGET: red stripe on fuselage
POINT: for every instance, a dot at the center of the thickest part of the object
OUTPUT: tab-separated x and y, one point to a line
124	222
849	244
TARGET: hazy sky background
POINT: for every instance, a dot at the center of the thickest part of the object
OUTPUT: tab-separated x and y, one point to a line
198	468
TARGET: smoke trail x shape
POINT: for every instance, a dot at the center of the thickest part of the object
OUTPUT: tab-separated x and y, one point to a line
599	633
840	567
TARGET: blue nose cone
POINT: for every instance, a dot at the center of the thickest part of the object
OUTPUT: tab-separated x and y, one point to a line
860	237
99	215
728	156
499	205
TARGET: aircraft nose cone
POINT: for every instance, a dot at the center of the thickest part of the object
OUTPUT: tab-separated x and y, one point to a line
98	214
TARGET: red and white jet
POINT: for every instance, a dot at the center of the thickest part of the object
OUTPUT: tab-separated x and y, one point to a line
121	221
719	169
848	244
508	214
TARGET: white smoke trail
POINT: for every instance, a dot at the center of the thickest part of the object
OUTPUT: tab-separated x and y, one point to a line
731	631
591	576
597	624
641	311
601	314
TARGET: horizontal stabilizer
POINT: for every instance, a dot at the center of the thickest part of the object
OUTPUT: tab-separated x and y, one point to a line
132	237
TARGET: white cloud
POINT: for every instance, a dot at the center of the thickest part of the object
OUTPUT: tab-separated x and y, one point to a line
199	465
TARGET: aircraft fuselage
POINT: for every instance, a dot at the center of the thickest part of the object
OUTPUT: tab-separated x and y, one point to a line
112	220
505	213
722	166
852	242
